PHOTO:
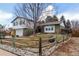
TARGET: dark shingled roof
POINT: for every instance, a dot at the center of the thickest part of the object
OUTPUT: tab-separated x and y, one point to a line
22	18
51	19
49	23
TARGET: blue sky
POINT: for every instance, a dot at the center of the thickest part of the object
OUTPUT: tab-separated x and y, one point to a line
63	7
6	13
7	6
70	10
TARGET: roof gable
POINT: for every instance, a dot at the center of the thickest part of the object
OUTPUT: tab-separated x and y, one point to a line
22	18
51	19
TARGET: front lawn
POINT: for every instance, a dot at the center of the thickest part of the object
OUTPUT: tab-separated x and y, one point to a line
60	37
33	40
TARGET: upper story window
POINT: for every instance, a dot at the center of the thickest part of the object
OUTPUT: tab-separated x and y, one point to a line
22	22
15	23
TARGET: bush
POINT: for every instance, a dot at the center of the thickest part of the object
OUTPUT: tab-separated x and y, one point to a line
59	37
2	35
17	35
75	33
28	32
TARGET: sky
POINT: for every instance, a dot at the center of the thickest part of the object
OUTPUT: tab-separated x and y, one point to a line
6	13
69	10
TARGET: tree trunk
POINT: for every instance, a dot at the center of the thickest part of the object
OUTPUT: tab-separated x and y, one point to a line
34	29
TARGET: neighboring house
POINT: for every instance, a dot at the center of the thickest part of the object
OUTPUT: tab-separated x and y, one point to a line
50	25
1	28
2	32
21	24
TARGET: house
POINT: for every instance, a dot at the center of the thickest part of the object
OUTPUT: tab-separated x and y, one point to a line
21	24
50	25
2	32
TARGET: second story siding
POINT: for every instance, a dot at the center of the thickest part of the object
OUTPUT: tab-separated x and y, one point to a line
22	22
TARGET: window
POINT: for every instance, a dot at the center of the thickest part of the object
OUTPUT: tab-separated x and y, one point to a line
23	22
46	29
14	24
20	22
51	28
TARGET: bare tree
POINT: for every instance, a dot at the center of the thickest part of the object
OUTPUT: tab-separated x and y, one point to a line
68	26
75	24
30	10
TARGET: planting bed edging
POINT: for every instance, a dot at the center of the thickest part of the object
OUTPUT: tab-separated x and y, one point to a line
18	51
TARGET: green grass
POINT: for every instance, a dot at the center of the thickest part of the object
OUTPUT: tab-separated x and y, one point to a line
33	40
60	37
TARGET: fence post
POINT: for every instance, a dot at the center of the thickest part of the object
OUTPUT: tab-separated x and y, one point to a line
1	37
13	41
63	37
13	38
40	46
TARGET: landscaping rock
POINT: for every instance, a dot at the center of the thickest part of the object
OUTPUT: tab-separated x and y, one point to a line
21	52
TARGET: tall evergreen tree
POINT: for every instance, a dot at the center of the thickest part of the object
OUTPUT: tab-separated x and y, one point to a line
62	19
55	18
68	24
49	19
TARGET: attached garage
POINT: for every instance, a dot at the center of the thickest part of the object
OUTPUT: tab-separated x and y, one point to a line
19	32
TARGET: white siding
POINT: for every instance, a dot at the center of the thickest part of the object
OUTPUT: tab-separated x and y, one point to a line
48	29
27	24
19	32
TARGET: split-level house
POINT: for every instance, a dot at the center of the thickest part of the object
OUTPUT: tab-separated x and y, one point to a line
50	25
21	24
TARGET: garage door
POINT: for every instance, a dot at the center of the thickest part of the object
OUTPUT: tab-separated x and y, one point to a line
19	32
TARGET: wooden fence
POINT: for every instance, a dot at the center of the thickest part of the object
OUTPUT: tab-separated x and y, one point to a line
42	45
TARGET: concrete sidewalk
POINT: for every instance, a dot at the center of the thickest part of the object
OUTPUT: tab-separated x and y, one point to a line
5	53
